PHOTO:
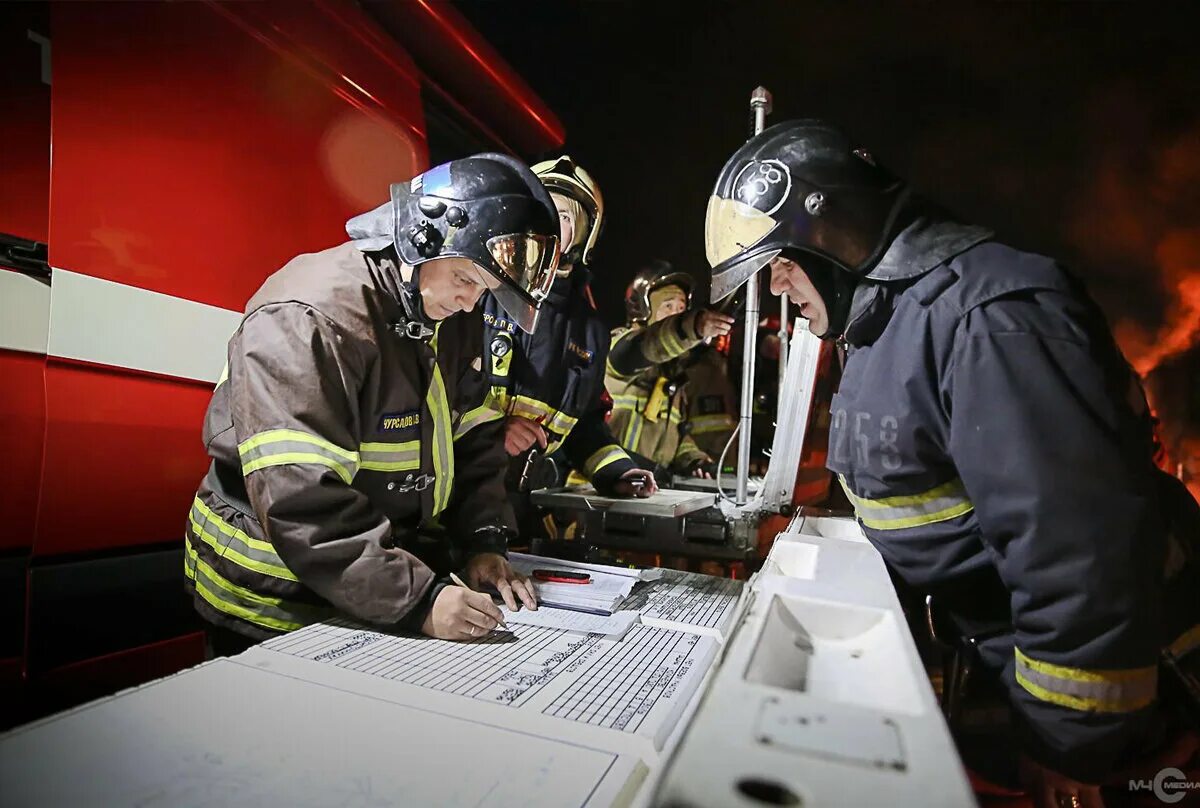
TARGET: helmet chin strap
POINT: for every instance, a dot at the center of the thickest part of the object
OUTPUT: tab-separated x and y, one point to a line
415	324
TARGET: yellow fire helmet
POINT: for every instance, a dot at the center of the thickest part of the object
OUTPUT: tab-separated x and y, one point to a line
564	177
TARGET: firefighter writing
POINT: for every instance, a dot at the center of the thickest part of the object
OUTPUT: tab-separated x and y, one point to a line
858	433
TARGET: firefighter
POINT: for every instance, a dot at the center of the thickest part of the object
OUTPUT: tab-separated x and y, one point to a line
350	420
549	386
647	373
992	438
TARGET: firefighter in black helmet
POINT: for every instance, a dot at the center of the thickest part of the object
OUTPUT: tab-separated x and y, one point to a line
648	368
549	385
992	438
350	419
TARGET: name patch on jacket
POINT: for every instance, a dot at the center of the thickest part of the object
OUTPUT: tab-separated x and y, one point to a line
580	351
711	405
397	421
499	323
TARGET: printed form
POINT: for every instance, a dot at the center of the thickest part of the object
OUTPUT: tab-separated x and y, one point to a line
626	695
690	601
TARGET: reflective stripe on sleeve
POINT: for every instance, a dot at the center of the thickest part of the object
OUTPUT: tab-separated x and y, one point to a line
603	457
938	504
280	447
482	414
705	424
1100	691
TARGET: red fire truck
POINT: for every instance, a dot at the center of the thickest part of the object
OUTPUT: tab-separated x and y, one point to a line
158	161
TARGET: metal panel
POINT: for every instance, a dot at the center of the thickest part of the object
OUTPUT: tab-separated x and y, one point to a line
108	323
123	458
198	147
24	312
128	600
22	425
25	149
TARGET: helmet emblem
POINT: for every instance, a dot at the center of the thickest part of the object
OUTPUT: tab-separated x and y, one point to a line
763	185
814	203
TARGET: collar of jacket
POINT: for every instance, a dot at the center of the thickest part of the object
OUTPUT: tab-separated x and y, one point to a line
927	242
564	289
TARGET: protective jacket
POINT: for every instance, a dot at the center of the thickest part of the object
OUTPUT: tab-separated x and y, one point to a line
647	378
555	378
997	449
334	440
711	401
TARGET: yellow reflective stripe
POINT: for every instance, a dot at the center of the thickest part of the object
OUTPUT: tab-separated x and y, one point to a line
482	414
603	457
404	456
267	561
671	343
530	408
292	458
277	435
626	402
228	597
704	424
563	423
278	447
1186	642
633	432
443	439
242	560
1104	691
938	504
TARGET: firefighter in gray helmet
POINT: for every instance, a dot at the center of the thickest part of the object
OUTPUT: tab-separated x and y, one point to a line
994	442
354	462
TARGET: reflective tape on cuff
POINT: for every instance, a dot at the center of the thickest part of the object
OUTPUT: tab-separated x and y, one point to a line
603	457
946	501
1100	691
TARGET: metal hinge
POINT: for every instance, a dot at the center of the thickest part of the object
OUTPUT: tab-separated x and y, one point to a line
24	255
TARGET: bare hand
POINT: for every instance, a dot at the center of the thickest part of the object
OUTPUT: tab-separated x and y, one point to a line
520	434
711	324
1049	789
460	614
490	568
625	486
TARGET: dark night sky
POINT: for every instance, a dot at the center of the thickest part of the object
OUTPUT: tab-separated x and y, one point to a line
1072	129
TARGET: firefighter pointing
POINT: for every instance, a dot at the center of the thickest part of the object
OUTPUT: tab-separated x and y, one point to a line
648	370
990	435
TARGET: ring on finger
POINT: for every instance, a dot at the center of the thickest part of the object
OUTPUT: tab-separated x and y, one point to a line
472	631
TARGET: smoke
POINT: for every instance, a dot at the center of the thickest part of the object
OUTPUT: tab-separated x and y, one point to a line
1144	205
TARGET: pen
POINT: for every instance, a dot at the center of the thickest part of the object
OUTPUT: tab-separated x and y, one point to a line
459	582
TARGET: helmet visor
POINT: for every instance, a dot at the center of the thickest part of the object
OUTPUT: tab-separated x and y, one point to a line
527	265
732	230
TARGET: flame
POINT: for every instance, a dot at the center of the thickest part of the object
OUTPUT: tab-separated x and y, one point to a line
1178	258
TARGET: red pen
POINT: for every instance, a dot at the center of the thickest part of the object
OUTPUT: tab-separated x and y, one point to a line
562	577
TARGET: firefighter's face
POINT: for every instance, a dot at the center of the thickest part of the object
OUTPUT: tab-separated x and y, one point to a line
787	278
566	222
451	285
675	304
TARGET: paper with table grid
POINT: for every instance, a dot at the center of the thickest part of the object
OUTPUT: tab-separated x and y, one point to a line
532	678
